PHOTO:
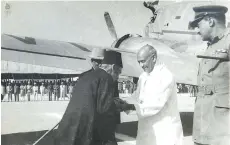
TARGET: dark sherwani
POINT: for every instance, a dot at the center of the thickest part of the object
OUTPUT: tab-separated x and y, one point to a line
84	73
86	120
116	95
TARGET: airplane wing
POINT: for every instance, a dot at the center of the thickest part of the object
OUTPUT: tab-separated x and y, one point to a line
25	55
22	55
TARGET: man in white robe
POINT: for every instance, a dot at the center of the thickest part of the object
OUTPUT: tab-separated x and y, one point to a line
156	102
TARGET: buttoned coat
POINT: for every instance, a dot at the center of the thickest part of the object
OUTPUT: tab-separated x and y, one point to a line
211	122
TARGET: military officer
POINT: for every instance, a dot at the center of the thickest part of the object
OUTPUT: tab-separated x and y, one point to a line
212	115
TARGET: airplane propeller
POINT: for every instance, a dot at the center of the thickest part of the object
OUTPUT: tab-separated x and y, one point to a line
110	25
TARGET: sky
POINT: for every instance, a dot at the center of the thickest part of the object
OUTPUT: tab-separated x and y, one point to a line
75	21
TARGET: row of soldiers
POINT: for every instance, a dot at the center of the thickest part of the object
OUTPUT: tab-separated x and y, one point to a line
191	89
55	90
129	87
126	87
59	89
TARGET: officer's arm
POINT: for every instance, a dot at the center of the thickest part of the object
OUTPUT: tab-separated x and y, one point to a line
122	105
221	54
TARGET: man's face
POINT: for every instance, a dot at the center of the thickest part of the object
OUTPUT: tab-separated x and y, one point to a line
204	29
116	71
95	64
147	62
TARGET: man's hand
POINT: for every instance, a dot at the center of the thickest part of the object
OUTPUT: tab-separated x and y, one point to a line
118	100
122	105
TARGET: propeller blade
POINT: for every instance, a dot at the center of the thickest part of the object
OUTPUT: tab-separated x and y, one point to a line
110	25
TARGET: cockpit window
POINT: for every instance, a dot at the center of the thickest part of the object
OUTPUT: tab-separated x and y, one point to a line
177	17
190	27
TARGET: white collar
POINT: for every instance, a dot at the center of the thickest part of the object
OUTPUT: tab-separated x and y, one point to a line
158	66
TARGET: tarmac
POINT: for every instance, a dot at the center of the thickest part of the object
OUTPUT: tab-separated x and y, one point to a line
27	121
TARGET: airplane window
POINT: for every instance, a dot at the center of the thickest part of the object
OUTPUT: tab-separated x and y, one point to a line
166	24
189	27
177	17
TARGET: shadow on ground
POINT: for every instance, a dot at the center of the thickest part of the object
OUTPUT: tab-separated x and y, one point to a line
129	128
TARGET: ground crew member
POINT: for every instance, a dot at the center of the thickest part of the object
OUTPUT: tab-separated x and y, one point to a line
63	90
56	91
3	89
23	90
35	91
9	90
212	116
16	91
50	90
29	90
42	90
70	89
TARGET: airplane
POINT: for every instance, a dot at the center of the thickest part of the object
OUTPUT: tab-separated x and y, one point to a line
169	30
19	55
30	55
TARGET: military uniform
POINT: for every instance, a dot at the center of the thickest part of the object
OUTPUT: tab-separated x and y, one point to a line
211	124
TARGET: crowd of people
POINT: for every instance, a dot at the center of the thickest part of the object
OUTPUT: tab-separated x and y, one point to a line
30	90
128	87
191	89
36	90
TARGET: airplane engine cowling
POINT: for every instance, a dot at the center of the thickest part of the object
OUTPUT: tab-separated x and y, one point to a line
183	66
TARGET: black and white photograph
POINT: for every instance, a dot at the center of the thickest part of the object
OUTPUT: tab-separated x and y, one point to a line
115	72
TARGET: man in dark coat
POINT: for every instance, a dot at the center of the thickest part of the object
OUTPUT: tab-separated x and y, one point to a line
88	116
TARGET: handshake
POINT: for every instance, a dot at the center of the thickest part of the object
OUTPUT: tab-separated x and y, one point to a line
122	105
